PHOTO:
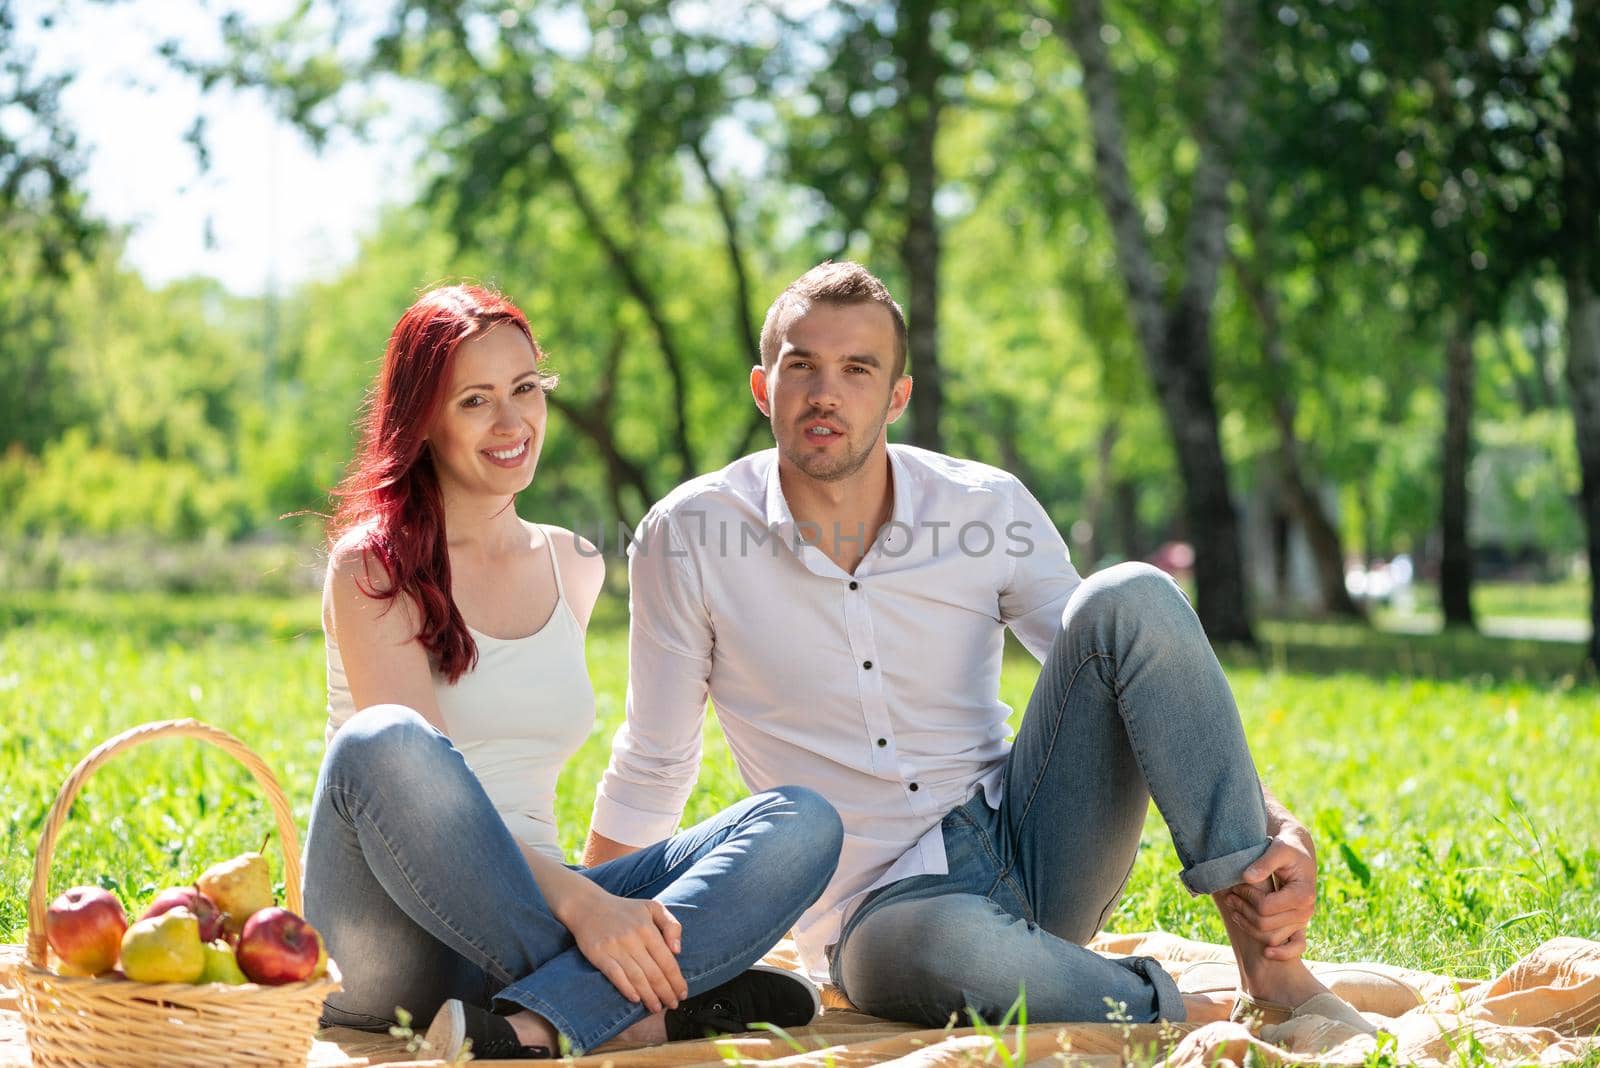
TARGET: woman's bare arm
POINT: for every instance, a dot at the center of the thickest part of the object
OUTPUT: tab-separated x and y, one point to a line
383	661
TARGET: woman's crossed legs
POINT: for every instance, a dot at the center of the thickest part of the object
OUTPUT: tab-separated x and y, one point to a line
422	894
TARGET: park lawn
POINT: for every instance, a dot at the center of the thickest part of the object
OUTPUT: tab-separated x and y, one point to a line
1450	780
1564	599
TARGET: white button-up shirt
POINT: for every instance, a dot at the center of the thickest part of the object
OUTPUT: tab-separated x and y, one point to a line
877	689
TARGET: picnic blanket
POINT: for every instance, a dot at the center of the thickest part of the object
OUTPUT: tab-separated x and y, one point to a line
1545	1009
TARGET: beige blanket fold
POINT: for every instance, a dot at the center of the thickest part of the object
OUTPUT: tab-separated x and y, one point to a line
1545	1010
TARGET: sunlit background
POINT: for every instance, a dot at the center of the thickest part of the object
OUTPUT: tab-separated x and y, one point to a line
1284	297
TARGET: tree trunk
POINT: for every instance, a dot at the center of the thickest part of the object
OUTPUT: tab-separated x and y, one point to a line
1455	561
621	472
1187	399
1327	550
1322	537
1176	337
1125	506
1097	502
595	423
919	249
1583	383
1581	208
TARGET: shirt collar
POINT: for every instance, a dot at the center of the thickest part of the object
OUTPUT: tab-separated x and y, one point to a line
896	534
779	518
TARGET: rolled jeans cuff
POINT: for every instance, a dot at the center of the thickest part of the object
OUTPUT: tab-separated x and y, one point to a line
1219	873
1169	1003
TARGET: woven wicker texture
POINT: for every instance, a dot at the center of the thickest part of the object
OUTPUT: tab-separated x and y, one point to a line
84	1021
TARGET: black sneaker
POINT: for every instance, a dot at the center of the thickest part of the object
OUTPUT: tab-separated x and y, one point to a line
491	1035
761	995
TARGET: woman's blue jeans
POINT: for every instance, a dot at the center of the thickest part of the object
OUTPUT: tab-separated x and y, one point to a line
423	895
1131	704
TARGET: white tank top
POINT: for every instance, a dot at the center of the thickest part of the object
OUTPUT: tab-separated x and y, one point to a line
516	717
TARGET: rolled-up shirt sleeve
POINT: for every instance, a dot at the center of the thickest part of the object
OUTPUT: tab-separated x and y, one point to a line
1042	575
656	753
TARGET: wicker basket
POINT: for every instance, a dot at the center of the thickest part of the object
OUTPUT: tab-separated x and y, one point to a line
85	1021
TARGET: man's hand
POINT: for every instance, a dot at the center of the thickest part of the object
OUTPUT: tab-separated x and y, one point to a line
1279	894
632	943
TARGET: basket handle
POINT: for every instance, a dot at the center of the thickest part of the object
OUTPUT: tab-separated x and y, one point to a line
288	840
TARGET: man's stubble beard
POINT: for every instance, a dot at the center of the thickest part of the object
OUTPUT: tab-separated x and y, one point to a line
815	467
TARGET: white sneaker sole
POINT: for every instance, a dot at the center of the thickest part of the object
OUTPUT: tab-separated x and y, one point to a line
448	1031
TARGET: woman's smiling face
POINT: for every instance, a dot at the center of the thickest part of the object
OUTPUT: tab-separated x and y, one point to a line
486	439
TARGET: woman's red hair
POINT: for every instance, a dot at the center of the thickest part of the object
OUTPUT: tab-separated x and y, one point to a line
392	491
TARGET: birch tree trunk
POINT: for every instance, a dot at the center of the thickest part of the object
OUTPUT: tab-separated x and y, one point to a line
1176	335
919	249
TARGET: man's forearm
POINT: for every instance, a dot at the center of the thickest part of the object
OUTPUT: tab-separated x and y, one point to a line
1280	819
599	849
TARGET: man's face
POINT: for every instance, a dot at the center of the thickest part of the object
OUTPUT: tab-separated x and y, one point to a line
832	389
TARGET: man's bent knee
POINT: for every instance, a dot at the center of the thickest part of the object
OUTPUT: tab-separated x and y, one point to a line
1145	591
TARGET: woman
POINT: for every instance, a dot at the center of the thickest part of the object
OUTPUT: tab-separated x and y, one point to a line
456	629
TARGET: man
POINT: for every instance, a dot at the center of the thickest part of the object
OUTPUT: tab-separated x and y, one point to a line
844	603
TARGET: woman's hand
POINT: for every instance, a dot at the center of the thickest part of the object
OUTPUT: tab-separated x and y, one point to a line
631	942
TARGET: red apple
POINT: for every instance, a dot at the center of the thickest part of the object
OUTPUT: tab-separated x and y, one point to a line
84	926
276	946
188	897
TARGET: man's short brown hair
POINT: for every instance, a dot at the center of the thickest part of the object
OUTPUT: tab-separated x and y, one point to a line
831	283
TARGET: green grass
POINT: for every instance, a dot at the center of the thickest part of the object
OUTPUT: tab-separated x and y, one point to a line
1450	779
1566	599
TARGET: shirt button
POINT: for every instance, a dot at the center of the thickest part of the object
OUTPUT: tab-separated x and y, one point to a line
913	787
882	742
867	664
854	584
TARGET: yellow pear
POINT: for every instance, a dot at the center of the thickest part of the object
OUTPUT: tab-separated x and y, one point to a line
221	965
164	949
321	968
241	887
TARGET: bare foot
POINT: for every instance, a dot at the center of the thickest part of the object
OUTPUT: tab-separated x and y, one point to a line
1207	1008
534	1030
1283	982
650	1031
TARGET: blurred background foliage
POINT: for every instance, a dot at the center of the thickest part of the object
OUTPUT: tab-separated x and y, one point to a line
1303	285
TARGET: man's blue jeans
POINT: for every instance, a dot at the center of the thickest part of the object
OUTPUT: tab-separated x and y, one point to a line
1131	703
423	895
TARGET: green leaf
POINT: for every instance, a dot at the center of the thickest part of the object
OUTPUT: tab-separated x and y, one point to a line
1357	866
